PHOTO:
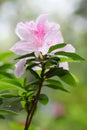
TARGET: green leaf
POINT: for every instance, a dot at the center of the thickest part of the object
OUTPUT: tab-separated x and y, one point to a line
34	73
7	95
32	83
32	65
6	75
25	56
55	84
6	66
4	56
12	81
1	101
43	99
71	55
57	46
65	59
64	75
2	117
16	126
6	84
3	111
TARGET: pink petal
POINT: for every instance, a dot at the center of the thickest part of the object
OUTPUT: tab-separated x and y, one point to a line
64	65
54	37
22	48
24	33
19	70
42	19
68	48
44	49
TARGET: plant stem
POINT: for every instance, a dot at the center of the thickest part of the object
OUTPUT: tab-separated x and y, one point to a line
31	113
26	123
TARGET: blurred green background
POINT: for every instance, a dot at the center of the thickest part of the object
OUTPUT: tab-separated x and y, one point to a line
64	111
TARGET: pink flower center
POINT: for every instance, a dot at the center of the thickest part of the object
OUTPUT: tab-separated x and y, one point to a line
40	33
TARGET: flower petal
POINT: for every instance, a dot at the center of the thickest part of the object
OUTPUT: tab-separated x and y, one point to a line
42	19
64	65
22	48
54	37
68	48
19	70
24	32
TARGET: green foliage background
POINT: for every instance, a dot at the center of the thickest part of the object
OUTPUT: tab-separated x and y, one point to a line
73	25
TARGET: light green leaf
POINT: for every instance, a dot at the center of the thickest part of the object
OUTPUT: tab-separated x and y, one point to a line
4	56
3	111
6	84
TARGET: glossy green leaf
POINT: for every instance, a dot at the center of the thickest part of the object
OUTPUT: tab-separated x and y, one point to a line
55	84
57	46
43	99
73	56
64	75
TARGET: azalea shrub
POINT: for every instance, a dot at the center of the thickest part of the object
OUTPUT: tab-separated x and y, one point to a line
43	54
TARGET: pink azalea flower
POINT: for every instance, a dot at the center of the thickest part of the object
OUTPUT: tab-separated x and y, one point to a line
37	37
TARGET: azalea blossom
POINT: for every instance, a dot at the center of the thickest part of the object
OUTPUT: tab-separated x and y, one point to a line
37	37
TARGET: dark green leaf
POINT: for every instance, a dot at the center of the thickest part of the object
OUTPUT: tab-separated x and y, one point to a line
5	67
73	56
64	75
55	84
43	99
1	101
57	46
32	65
2	117
25	56
34	73
30	84
6	75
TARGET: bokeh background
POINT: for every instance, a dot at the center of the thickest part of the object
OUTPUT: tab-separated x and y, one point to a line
64	111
